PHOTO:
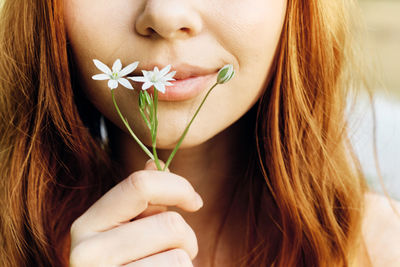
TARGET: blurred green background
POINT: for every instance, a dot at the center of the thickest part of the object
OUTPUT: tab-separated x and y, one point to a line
382	19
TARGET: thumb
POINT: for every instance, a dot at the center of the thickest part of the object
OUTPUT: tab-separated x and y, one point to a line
151	165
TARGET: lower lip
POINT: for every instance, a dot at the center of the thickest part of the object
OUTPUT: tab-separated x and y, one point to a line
185	89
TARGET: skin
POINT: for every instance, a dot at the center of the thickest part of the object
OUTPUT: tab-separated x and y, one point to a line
152	218
205	33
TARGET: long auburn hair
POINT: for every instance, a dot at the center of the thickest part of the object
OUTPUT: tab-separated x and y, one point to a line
52	167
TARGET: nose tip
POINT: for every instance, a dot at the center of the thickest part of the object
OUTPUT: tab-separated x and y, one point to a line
166	33
168	20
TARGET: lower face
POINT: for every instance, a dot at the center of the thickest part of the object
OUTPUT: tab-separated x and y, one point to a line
207	33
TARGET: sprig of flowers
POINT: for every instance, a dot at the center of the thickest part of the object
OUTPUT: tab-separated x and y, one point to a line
159	79
147	105
117	76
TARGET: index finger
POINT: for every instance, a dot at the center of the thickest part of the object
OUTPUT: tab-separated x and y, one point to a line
131	197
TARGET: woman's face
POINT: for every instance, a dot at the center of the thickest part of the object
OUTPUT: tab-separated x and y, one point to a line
202	33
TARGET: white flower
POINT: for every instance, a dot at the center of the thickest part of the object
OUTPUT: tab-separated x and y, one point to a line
157	78
116	75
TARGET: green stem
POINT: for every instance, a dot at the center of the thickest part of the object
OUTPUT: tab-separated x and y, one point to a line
129	128
187	129
154	135
145	118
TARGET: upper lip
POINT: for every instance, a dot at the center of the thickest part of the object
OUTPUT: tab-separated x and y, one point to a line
183	70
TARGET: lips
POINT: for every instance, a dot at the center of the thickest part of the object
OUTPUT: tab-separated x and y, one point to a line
190	81
184	89
183	70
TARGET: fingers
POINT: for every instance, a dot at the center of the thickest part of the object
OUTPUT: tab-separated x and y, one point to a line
136	240
152	209
175	257
131	197
151	165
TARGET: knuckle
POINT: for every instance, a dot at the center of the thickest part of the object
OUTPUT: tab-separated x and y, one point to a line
79	232
80	255
174	222
136	182
187	184
74	229
180	258
194	245
183	234
74	258
184	183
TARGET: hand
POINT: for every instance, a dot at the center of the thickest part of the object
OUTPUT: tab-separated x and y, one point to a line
130	224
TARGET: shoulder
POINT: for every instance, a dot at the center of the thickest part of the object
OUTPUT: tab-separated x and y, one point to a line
381	230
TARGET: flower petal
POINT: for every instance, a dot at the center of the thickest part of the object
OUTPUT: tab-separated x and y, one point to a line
112	84
165	70
101	77
128	69
168	84
146	85
147	74
160	87
138	79
125	83
101	66
117	66
169	76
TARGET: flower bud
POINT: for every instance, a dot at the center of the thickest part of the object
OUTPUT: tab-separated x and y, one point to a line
149	99
142	100
225	74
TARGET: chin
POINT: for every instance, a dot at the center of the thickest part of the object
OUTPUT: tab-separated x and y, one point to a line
190	141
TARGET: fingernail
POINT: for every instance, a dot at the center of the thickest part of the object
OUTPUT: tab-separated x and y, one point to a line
199	201
148	164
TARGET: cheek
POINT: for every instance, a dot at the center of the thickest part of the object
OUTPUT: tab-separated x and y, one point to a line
251	29
251	37
82	22
96	31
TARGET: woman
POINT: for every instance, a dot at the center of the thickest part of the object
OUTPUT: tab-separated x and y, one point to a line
267	159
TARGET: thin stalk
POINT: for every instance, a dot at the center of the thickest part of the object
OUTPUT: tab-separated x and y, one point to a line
152	120
129	128
154	135
145	118
171	156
